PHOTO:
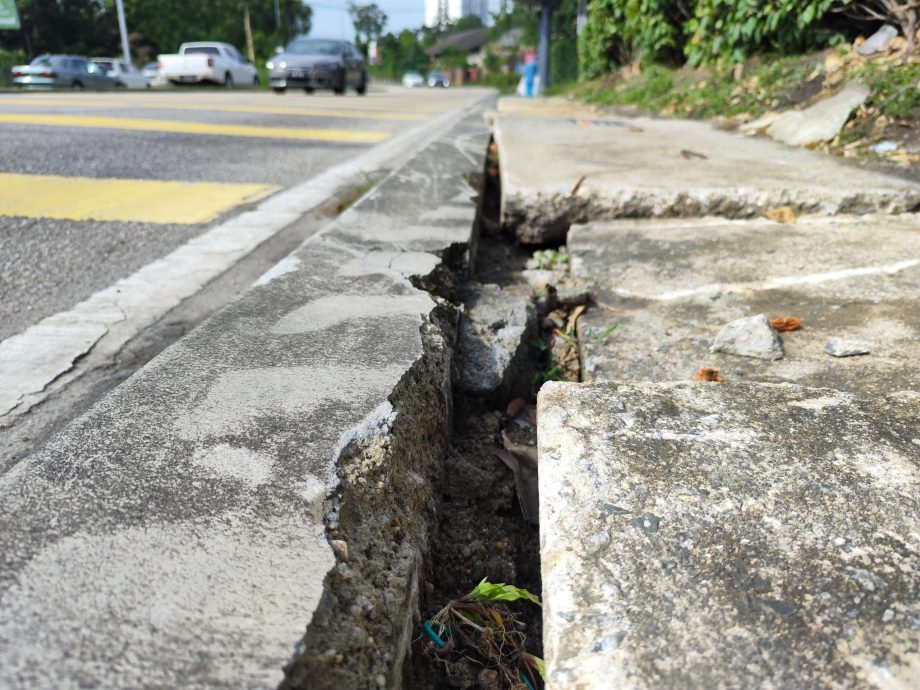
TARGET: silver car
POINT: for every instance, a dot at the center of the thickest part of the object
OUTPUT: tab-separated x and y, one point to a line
317	63
61	72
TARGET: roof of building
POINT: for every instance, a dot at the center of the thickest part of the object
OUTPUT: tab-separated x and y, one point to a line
465	41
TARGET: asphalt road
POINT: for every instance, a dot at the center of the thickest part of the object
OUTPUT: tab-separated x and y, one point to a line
49	264
96	187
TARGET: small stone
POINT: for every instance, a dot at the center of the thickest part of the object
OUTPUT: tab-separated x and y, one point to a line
752	336
887	616
339	548
380	680
648	523
489	680
539	278
838	347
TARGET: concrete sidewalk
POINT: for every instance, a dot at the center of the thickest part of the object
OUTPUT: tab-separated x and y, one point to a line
270	473
562	163
756	527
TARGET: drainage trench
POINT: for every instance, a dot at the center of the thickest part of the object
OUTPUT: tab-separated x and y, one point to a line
517	331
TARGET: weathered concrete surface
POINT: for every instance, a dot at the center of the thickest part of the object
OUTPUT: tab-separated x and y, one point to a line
557	170
672	285
728	536
495	332
177	535
821	121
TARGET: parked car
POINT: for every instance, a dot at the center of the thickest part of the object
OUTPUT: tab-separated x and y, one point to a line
153	75
208	61
412	79
436	78
61	72
318	63
126	76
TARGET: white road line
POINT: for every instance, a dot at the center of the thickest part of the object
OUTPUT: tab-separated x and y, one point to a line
31	361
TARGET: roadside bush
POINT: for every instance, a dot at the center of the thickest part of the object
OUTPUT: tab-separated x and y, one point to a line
626	31
8	59
732	30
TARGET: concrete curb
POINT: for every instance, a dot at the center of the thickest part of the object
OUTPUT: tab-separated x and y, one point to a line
177	535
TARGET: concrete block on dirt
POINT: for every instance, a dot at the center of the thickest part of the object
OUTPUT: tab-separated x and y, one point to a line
558	169
670	287
702	535
495	332
180	534
821	121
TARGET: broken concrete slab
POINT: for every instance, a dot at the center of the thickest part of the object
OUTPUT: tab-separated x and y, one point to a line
495	331
561	170
821	121
180	533
669	287
728	536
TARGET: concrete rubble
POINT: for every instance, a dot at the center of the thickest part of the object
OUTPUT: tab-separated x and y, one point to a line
560	167
492	342
819	122
268	474
728	536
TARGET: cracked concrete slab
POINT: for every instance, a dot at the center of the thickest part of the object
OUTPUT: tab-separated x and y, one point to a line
670	286
557	170
177	534
728	536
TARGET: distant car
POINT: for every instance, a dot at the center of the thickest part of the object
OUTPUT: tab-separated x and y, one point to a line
153	75
318	63
126	76
436	78
208	61
61	72
412	79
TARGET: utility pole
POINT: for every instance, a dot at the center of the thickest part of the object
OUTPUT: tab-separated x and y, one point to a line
123	29
247	30
278	15
546	27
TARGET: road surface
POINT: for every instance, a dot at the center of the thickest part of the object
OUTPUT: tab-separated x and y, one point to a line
122	193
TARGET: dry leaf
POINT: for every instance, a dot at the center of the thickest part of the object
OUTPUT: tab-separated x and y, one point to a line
688	154
515	406
709	374
573	318
577	186
786	323
782	214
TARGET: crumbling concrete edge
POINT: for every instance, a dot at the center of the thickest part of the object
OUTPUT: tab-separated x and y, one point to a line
542	217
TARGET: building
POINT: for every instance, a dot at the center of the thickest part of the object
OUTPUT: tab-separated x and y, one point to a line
443	11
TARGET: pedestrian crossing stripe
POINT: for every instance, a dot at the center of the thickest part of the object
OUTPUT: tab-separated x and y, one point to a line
186	127
216	107
141	201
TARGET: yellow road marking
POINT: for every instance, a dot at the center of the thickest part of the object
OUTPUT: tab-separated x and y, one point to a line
142	201
185	127
268	110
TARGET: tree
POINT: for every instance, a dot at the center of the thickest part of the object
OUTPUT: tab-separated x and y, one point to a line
369	21
904	13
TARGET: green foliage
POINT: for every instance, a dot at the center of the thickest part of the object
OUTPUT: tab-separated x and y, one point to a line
368	21
549	258
894	88
90	27
487	591
732	30
399	54
620	32
8	59
626	31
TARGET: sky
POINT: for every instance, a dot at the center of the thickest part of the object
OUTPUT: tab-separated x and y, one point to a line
331	19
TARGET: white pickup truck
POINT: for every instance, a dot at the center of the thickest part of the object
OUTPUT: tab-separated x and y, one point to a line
208	61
